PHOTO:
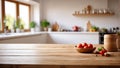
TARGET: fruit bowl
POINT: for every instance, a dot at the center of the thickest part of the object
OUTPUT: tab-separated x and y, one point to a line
85	50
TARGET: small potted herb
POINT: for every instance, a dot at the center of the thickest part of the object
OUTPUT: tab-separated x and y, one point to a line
94	29
104	30
32	26
22	27
45	24
17	26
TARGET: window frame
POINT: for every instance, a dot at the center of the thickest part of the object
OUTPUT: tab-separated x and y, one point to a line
17	11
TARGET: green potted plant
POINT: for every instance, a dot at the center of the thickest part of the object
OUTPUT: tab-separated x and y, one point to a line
32	26
94	29
22	27
45	24
104	30
17	25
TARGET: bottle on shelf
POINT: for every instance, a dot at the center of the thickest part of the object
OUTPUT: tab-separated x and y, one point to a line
88	25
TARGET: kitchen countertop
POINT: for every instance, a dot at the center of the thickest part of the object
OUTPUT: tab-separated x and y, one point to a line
53	54
74	32
13	35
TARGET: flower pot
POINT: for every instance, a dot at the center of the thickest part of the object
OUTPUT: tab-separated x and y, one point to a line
17	30
49	29
32	29
22	30
45	29
12	31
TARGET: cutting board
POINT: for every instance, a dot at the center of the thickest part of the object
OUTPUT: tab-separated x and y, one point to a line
55	26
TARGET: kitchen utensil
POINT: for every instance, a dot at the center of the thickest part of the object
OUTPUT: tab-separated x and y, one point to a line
101	11
117	29
114	29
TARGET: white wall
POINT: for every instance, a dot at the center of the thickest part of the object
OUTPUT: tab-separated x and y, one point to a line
62	10
36	0
113	4
36	15
0	15
119	11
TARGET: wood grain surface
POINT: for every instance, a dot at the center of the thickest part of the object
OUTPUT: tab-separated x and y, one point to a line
53	54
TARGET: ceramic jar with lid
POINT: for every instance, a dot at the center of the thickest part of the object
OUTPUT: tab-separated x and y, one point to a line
105	11
101	11
110	42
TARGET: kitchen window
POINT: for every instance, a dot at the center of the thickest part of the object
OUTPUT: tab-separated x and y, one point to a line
24	15
10	13
14	11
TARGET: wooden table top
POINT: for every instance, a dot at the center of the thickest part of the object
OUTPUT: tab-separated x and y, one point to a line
52	54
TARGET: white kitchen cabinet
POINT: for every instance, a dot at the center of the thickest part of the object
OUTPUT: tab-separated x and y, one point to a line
36	39
53	38
73	37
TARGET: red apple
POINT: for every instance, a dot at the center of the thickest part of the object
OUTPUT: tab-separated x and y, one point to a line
104	50
90	45
85	47
102	53
85	44
80	45
75	28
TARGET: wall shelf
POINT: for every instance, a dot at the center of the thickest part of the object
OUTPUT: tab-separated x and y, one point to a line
94	14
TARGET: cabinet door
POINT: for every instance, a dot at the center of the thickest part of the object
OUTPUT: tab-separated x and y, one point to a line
73	38
26	39
38	66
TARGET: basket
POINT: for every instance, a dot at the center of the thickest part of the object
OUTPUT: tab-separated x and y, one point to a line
85	50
